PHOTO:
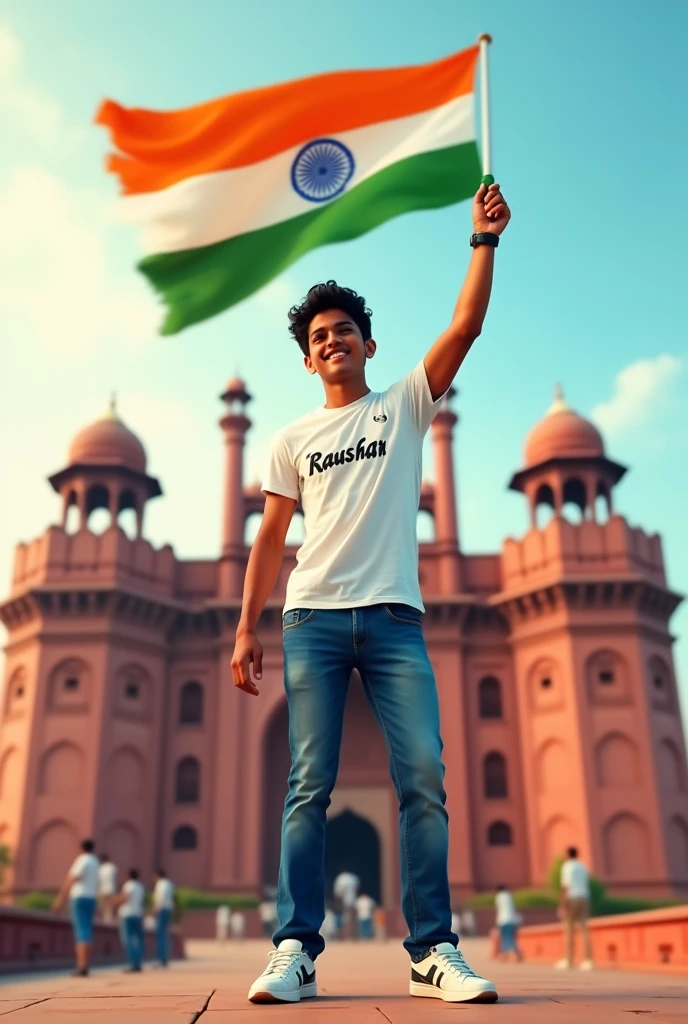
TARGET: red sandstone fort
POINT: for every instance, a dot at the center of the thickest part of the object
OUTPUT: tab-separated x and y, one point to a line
553	659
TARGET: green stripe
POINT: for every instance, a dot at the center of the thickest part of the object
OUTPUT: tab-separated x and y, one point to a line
196	284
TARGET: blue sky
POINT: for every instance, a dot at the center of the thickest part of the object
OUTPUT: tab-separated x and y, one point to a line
589	105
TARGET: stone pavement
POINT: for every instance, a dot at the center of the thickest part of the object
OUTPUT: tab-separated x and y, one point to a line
364	983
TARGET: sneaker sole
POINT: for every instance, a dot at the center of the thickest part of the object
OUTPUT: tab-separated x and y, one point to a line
431	992
307	992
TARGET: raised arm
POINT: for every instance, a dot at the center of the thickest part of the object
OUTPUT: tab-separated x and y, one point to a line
490	216
262	571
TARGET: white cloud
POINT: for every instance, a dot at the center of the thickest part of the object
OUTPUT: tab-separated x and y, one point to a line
32	111
640	391
58	279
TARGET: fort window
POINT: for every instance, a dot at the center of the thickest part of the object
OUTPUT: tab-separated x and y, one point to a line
191	704
608	678
546	683
185	838
132	691
499	834
494	776
188	781
72	683
490	698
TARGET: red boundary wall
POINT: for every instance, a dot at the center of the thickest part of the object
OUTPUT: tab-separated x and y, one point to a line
649	940
36	940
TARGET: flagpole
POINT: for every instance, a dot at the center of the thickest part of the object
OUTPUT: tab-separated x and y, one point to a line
484	41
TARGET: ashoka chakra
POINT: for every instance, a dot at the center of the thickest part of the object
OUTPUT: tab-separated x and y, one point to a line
322	169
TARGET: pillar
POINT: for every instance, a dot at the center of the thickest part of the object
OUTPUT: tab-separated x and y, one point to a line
235	425
446	523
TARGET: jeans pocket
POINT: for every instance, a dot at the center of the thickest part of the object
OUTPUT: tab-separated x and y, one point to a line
404	613
296	617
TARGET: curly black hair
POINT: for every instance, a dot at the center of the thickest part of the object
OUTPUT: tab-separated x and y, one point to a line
328	295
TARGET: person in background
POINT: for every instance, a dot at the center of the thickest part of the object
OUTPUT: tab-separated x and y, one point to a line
163	908
365	907
346	888
456	920
507	921
468	925
222	916
130	909
267	911
81	885
237	924
575	907
107	887
329	925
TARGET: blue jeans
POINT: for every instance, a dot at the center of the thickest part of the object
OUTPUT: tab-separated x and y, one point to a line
507	938
82	910
131	934
385	643
162	935
366	929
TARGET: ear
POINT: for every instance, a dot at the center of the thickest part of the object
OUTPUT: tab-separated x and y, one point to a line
370	348
308	363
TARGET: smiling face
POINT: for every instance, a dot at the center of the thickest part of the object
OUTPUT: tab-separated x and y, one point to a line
337	350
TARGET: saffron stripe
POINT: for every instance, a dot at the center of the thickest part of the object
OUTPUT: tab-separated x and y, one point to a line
158	149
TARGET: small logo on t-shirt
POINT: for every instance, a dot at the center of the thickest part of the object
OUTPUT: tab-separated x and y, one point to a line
381	418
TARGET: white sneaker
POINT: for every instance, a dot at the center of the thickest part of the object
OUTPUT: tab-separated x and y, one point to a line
444	974
563	965
288	978
587	965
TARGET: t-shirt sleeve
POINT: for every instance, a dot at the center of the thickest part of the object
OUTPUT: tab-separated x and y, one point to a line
77	868
281	476
418	398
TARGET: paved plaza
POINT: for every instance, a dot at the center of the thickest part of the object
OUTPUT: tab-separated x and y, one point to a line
361	983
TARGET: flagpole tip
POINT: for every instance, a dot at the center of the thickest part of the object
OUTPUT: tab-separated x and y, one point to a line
485	37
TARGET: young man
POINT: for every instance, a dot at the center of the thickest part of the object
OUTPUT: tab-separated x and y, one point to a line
354	601
163	908
575	907
81	885
507	921
130	903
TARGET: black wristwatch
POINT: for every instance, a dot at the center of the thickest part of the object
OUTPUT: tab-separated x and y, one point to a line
484	238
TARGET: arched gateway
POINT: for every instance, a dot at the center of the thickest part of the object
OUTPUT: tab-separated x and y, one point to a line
362	819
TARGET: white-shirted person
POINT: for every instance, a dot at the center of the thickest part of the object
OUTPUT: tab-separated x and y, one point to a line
130	910
81	885
163	908
575	907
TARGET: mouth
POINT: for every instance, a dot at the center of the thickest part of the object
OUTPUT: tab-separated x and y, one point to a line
337	355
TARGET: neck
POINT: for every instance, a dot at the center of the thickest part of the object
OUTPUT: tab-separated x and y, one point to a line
339	395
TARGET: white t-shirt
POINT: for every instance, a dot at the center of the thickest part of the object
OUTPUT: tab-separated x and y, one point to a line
163	895
574	878
357	471
135	892
365	905
84	871
506	910
107	879
345	888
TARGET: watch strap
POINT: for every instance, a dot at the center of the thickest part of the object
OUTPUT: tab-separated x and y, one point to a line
484	238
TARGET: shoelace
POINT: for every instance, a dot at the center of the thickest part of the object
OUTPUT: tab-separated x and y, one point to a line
455	962
281	961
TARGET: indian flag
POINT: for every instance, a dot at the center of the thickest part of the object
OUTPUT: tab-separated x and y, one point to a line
231	192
